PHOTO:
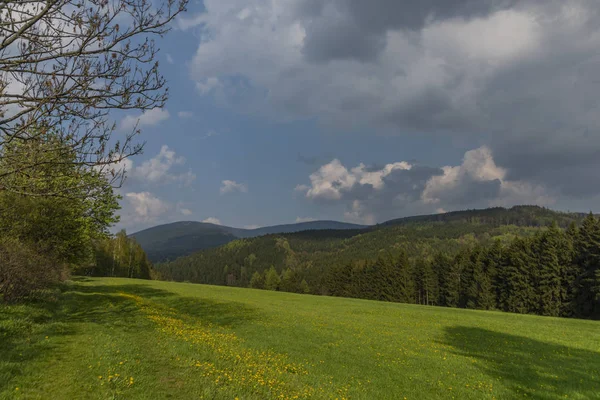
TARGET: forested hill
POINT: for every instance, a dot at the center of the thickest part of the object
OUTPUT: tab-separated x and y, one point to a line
518	215
169	241
472	259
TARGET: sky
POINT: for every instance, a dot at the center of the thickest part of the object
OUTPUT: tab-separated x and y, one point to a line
363	111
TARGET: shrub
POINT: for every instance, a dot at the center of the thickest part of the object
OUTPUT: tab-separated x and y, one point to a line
24	269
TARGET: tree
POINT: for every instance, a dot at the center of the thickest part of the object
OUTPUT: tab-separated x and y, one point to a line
272	279
587	285
64	226
304	287
551	272
257	281
65	64
56	231
289	281
452	286
518	276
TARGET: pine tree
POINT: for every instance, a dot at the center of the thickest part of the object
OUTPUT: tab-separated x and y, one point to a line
572	270
587	285
441	265
518	293
551	272
452	283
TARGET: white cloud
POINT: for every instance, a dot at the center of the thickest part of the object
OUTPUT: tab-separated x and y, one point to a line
252	226
332	179
371	195
159	169
148	118
458	183
304	219
228	186
212	220
185	114
169	59
146	206
186	211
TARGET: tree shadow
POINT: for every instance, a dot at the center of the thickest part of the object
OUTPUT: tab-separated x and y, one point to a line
530	368
227	314
23	327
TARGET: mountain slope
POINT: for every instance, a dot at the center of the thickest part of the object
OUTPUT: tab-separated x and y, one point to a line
313	253
169	241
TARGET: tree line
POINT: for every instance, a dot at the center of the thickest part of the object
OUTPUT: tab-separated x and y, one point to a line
551	271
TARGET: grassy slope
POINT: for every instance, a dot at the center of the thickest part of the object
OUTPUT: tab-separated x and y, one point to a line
193	341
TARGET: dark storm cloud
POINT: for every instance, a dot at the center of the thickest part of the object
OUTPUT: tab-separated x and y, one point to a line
356	29
521	77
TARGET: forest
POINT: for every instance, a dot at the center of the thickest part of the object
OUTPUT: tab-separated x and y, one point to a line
531	268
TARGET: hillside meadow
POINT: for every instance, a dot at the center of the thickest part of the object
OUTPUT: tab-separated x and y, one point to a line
114	338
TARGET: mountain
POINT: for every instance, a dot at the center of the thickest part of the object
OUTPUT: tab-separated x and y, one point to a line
169	241
312	254
524	215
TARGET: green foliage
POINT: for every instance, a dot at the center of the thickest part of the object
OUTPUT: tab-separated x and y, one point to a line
304	288
471	262
118	256
257	281
51	206
272	279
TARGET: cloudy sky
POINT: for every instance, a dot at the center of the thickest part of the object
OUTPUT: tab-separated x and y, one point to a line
363	111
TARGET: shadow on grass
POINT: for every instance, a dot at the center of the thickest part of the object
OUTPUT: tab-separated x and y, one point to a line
23	327
531	368
226	314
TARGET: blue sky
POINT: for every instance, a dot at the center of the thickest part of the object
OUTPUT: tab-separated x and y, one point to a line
288	110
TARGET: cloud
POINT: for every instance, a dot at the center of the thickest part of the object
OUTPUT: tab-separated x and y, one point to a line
169	59
372	195
478	179
228	186
210	133
252	226
186	211
332	180
146	207
185	114
521	75
304	219
212	220
148	118
159	169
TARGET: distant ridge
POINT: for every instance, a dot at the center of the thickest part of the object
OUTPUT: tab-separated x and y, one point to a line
522	215
170	241
176	239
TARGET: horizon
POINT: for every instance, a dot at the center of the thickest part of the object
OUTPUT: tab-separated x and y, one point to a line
365	226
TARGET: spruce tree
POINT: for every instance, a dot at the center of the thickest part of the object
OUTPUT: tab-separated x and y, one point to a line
587	285
518	289
551	272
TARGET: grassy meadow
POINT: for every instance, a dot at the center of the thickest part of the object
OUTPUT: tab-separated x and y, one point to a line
111	338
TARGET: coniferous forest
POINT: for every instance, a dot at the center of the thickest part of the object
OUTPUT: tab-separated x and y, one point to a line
530	269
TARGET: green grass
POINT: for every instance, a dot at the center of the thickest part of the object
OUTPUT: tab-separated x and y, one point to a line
131	339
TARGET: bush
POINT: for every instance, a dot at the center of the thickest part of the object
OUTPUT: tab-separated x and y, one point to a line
24	270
